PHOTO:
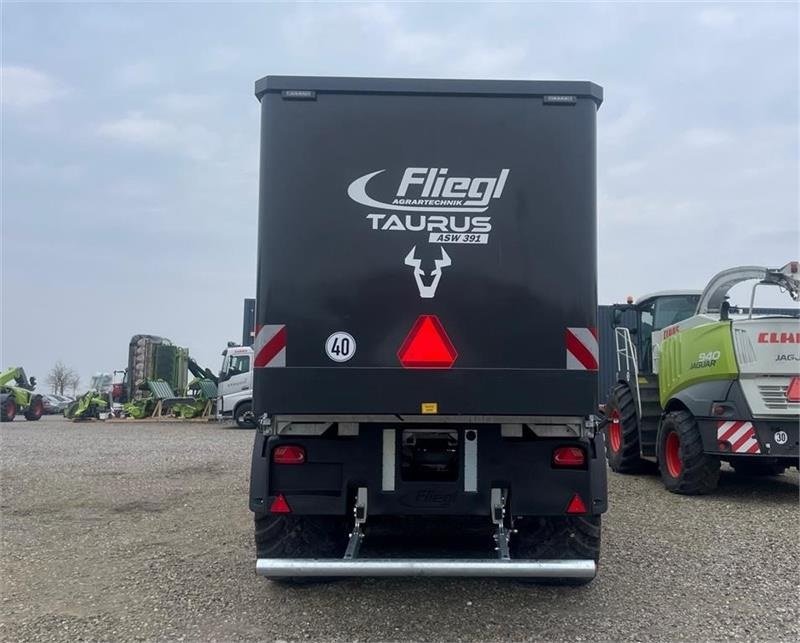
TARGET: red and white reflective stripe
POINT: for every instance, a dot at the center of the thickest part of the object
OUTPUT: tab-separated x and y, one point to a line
740	435
270	346
582	349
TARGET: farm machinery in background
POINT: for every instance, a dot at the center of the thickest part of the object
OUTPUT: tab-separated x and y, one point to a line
94	402
89	405
699	381
19	398
156	383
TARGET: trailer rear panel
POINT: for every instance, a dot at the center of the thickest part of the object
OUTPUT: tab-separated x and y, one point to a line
426	246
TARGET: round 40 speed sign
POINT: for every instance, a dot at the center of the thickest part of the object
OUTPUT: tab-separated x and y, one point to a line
340	346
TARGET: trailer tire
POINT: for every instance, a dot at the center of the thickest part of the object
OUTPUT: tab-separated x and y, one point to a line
243	414
35	409
685	467
8	410
622	432
749	468
288	536
557	538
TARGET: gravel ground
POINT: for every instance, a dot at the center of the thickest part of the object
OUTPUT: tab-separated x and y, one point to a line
117	531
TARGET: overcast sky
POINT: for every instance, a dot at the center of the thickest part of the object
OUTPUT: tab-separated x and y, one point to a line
130	147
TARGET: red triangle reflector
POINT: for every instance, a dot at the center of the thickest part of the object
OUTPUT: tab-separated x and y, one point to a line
280	506
427	345
793	392
576	505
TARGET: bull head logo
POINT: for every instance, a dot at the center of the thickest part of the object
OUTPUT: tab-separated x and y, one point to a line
427	292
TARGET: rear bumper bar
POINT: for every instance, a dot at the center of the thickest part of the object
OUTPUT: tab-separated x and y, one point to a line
298	567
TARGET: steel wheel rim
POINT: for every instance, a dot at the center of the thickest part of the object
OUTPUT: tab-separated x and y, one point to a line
672	454
615	431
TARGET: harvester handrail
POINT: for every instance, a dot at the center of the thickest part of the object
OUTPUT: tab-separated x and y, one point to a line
626	352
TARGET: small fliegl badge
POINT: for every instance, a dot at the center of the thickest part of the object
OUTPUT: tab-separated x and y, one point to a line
781	437
340	346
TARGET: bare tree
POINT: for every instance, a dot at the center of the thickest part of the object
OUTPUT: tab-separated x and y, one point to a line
74	382
61	377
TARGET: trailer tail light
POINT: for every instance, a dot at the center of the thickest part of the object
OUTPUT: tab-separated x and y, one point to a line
576	505
793	391
427	345
569	458
289	454
280	506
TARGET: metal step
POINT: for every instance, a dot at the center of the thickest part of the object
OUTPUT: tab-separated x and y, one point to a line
299	567
651	409
649	395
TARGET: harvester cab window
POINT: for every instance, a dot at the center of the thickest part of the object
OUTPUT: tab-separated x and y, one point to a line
645	337
671	310
656	315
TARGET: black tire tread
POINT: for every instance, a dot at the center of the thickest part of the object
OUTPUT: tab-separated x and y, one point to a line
4	416
700	472
557	538
247	406
289	536
30	415
627	460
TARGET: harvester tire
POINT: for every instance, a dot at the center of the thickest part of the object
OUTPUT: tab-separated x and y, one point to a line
685	468
622	432
751	468
8	410
556	538
288	536
35	409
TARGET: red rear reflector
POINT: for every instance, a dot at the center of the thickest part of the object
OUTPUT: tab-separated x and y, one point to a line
289	454
280	506
427	345
569	457
793	392
576	505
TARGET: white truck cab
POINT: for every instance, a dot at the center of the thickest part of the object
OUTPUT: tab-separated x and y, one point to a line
235	389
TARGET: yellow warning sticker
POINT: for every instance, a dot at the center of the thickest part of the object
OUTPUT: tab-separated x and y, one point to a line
429	408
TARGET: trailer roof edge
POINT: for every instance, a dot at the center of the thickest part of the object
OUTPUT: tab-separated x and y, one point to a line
335	84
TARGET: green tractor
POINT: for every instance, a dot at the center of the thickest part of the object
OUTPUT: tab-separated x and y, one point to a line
19	398
699	382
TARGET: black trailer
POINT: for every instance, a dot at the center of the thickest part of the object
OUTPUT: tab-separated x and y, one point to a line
426	310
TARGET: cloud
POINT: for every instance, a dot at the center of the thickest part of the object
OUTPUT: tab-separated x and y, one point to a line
183	138
138	74
24	87
137	130
222	58
490	61
400	43
716	17
625	169
41	172
706	137
183	102
618	129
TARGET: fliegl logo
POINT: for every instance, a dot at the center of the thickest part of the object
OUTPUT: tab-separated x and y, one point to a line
444	206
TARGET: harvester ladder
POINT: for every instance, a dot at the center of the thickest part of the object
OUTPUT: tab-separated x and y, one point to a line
627	362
